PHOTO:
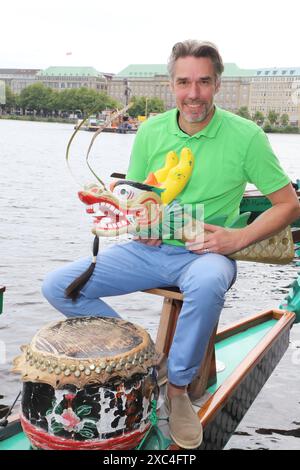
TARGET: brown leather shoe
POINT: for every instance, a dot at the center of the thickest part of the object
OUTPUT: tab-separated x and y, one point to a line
185	426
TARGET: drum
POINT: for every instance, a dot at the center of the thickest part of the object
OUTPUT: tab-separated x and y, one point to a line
89	383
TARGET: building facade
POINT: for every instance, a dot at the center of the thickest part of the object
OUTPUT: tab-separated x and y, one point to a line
64	78
276	90
149	80
18	79
261	90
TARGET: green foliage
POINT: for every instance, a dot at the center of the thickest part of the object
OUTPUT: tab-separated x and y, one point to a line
36	97
273	117
271	122
40	98
10	100
244	112
143	106
258	117
284	120
268	127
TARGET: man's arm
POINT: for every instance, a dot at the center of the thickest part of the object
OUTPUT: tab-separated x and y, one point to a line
285	209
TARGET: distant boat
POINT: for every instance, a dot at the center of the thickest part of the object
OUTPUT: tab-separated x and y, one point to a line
93	124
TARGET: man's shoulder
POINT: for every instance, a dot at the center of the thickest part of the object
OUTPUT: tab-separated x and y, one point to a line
238	125
159	119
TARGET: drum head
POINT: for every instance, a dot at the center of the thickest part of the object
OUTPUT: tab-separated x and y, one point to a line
86	350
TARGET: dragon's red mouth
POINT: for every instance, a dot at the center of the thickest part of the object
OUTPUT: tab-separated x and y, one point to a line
110	215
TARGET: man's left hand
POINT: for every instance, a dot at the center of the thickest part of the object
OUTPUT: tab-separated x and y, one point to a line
217	239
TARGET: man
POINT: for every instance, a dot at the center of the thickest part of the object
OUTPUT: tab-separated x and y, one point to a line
229	152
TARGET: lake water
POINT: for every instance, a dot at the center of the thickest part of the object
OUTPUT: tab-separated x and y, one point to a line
43	225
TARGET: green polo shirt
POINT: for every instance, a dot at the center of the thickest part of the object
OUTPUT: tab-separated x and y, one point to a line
229	152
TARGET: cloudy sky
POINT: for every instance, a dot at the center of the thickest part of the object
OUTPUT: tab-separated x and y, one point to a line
110	35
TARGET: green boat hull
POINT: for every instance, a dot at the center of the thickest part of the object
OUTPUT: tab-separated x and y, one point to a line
257	204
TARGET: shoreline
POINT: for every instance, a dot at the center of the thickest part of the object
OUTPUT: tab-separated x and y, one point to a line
58	120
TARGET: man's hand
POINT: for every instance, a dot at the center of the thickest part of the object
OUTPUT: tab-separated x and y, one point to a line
149	241
217	239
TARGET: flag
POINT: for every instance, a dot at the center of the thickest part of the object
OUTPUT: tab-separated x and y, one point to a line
68	53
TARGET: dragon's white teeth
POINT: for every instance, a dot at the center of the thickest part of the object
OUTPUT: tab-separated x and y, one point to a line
106	220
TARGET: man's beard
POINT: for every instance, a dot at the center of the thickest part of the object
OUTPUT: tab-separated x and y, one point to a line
189	118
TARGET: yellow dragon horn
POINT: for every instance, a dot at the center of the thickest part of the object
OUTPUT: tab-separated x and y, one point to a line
178	176
171	161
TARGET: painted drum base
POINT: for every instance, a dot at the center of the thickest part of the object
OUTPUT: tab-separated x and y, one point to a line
41	440
95	417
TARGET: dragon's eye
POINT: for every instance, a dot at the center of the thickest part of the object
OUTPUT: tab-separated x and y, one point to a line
126	191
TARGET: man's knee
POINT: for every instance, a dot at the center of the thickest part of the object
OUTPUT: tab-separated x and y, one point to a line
210	282
51	289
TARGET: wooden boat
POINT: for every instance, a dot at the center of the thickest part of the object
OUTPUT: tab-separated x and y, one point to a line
93	124
256	203
239	360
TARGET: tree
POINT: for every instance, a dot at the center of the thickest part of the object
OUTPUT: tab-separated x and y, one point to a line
85	100
36	97
155	105
267	126
142	106
244	112
284	120
273	117
258	117
10	99
45	100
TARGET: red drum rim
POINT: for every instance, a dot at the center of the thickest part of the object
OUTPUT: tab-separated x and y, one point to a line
42	440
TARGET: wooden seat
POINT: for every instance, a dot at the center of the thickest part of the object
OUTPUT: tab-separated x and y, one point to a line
172	304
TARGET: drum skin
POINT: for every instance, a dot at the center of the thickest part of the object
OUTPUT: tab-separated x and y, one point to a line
89	383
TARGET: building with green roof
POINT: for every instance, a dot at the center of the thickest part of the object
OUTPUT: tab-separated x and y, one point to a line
143	71
61	78
262	89
152	70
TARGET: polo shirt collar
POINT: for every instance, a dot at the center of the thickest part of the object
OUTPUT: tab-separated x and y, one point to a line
209	131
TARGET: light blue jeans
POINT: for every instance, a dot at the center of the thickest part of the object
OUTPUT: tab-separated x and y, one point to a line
133	266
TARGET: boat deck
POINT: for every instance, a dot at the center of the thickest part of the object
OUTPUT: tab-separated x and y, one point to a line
256	342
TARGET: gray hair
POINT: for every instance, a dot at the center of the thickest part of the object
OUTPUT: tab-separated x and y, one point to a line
194	48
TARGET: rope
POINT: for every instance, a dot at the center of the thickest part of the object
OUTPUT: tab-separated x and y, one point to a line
153	418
